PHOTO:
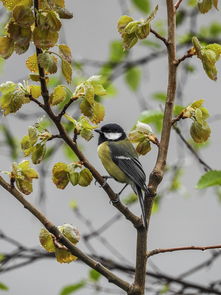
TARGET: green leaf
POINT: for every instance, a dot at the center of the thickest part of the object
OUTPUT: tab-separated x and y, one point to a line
66	70
204	5
10	4
152	116
23	15
58	95
200	132
44	38
3	287
69	154
38	153
60	175
97	81
160	96
7	87
11	102
10	141
116	51
65	51
20	35
85	177
130	199
46	240
142	5
48	62
32	63
98	113
122	22
133	77
6	47
24	175
94	275
73	288
210	178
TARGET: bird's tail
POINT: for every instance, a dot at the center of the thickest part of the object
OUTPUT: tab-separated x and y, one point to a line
139	192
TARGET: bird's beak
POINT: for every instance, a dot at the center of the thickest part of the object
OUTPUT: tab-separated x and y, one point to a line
98	131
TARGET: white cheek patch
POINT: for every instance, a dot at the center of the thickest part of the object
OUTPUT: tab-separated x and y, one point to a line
112	135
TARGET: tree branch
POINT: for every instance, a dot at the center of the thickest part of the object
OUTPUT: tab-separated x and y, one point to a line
178	4
201	248
191	149
158	36
54	230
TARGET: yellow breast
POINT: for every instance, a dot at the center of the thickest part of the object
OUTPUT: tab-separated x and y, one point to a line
109	165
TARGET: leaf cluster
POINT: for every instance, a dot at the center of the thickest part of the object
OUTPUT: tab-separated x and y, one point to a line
63	173
142	135
23	175
88	91
132	30
200	130
34	144
208	55
51	245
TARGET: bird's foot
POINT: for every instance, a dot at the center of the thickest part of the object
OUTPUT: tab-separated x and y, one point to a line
117	199
105	177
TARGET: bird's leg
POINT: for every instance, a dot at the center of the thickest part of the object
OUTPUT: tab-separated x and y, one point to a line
118	195
105	177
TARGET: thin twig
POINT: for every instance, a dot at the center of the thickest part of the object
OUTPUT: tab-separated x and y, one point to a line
201	248
191	149
177	4
190	53
158	36
66	106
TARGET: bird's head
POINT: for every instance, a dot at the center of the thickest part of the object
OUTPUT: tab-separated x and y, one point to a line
111	132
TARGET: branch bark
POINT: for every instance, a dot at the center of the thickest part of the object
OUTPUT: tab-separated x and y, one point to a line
199	248
54	230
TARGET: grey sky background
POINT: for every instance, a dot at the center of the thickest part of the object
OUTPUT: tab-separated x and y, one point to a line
190	218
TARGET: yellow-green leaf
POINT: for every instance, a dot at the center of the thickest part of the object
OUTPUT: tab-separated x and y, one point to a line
46	240
48	62
44	38
98	113
200	132
32	64
58	95
66	70
60	175
123	21
64	256
38	153
85	177
6	47
65	51
35	91
23	15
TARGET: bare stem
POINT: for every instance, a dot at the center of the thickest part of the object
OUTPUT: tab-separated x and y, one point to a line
177	4
158	36
201	248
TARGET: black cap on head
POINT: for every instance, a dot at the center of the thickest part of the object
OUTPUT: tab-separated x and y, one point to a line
111	132
112	128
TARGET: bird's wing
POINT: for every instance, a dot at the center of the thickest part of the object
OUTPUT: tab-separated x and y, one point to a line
125	157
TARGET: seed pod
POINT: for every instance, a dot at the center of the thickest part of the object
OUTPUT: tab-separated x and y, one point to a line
200	132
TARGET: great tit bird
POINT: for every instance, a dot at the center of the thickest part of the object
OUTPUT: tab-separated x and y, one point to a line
120	159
